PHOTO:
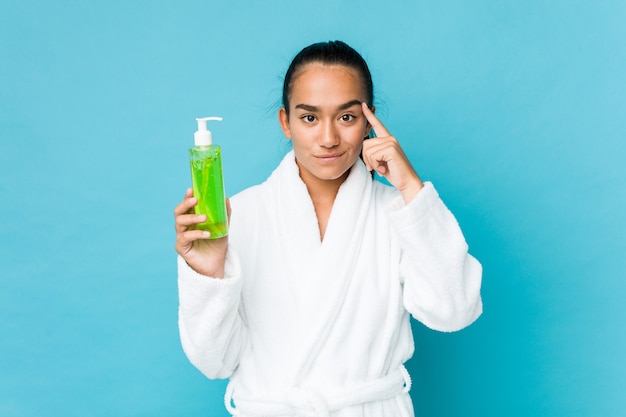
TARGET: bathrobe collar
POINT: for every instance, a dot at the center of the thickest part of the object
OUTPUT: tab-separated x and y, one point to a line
321	270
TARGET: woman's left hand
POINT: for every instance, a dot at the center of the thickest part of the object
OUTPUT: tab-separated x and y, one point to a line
384	155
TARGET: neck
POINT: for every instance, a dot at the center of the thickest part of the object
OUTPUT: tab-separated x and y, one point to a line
323	194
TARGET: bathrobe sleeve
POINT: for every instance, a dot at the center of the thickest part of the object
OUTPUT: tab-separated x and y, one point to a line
212	331
441	279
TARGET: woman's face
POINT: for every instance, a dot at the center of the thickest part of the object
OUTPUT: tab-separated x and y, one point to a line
325	122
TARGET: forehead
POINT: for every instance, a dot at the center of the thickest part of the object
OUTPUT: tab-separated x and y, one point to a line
321	82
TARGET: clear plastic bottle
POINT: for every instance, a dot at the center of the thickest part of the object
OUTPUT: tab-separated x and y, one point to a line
208	183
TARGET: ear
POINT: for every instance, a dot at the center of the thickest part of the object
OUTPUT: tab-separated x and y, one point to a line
283	119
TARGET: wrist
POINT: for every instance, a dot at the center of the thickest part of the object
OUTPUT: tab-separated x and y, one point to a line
211	269
411	189
210	273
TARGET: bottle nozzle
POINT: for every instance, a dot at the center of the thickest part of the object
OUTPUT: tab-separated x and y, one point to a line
202	136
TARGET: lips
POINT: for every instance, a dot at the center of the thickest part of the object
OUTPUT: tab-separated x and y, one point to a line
329	157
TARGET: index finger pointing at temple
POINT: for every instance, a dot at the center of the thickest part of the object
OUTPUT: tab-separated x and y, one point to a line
377	125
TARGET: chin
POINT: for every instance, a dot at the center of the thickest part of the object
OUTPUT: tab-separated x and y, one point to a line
333	176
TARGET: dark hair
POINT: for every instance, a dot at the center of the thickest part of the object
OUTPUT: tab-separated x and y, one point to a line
329	53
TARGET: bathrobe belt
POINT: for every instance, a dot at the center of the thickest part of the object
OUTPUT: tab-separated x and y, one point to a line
307	403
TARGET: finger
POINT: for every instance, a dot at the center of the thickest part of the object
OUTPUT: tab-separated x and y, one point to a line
366	152
185	221
185	206
228	209
377	125
184	241
374	152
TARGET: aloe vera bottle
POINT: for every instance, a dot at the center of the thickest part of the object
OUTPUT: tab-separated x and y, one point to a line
208	183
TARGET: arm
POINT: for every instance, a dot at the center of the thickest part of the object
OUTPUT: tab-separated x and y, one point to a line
441	279
212	331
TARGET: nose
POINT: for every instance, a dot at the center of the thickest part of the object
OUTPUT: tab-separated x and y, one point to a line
330	135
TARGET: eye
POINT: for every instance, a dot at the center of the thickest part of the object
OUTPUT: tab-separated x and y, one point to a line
308	118
347	117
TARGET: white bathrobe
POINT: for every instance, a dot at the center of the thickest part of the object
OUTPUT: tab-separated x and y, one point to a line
305	327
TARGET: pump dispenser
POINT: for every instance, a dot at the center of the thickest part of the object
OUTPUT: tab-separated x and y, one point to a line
208	183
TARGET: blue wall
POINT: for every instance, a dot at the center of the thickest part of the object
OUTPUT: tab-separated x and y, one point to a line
515	110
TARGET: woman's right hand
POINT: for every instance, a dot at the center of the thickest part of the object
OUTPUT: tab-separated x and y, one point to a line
206	256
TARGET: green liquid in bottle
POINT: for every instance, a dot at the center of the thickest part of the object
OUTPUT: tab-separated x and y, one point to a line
208	188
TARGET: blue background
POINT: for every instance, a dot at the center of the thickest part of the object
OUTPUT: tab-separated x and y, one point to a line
515	110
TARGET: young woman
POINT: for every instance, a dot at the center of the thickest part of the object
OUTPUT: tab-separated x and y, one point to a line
305	305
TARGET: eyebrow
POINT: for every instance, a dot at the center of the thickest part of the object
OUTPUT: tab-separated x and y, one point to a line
344	106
